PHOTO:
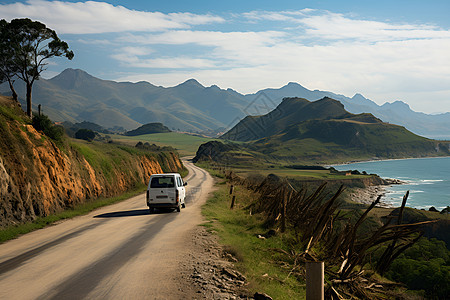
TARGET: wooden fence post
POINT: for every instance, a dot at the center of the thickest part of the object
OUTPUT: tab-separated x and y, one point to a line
232	202
314	280
283	209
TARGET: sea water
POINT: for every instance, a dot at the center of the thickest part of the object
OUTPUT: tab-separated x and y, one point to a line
427	179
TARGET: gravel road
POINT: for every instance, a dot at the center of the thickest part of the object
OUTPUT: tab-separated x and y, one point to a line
120	252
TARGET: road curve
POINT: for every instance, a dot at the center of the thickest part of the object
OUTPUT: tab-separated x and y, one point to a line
116	252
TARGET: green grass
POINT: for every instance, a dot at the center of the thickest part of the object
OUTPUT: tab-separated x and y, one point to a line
296	174
13	113
185	144
99	156
12	232
238	232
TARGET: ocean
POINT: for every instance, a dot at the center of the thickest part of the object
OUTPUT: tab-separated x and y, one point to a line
427	179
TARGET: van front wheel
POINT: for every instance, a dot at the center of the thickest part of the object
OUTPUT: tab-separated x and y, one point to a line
178	208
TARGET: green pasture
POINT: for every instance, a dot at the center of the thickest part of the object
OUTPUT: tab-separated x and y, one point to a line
185	144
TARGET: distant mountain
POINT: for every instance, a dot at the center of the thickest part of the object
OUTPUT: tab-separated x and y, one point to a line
322	131
398	112
290	111
76	96
148	129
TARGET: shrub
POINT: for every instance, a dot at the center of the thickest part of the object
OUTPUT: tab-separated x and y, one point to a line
424	266
44	124
85	134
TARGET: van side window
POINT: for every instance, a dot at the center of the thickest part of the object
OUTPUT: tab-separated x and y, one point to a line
162	182
179	181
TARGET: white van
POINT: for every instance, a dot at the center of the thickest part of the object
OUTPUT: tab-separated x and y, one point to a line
166	191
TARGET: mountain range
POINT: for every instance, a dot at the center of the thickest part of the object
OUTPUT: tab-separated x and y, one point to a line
432	126
321	131
76	96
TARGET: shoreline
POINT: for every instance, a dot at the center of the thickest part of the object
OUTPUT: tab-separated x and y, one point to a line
369	194
380	160
420	179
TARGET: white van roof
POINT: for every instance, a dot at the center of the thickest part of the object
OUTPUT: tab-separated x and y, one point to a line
165	174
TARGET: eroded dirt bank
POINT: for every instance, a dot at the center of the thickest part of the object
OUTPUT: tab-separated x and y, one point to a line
38	178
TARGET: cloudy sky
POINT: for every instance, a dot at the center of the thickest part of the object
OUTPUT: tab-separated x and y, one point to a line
385	50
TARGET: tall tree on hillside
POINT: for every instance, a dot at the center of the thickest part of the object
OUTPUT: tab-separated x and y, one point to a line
8	70
32	44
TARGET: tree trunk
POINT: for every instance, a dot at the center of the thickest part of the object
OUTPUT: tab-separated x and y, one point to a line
13	91
29	112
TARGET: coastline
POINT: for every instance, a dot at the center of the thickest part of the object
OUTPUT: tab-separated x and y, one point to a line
384	159
369	194
426	178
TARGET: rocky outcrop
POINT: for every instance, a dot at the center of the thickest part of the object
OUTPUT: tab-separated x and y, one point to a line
38	178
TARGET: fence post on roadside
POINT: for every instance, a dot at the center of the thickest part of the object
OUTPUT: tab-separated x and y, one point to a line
283	209
315	280
231	189
232	202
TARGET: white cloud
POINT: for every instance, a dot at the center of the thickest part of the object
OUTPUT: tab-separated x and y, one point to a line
207	38
290	16
337	27
229	49
94	42
334	26
138	51
99	17
165	63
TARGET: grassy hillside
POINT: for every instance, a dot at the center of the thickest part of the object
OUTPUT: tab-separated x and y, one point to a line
290	111
40	176
320	132
185	144
344	140
149	128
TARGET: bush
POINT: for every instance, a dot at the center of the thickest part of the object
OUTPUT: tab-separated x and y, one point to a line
44	124
154	147
424	266
85	134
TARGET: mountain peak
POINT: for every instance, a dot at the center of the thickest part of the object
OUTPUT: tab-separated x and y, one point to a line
358	96
294	85
396	105
191	82
69	72
71	78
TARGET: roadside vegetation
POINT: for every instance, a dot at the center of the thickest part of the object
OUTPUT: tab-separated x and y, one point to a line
238	231
185	144
382	260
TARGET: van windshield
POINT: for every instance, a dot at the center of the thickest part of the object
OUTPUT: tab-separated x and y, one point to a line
162	182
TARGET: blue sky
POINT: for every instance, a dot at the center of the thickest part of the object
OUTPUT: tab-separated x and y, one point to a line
385	50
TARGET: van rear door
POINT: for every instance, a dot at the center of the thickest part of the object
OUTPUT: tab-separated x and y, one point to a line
163	189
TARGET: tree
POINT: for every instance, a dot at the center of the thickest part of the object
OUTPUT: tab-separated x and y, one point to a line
85	134
8	70
31	43
43	123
